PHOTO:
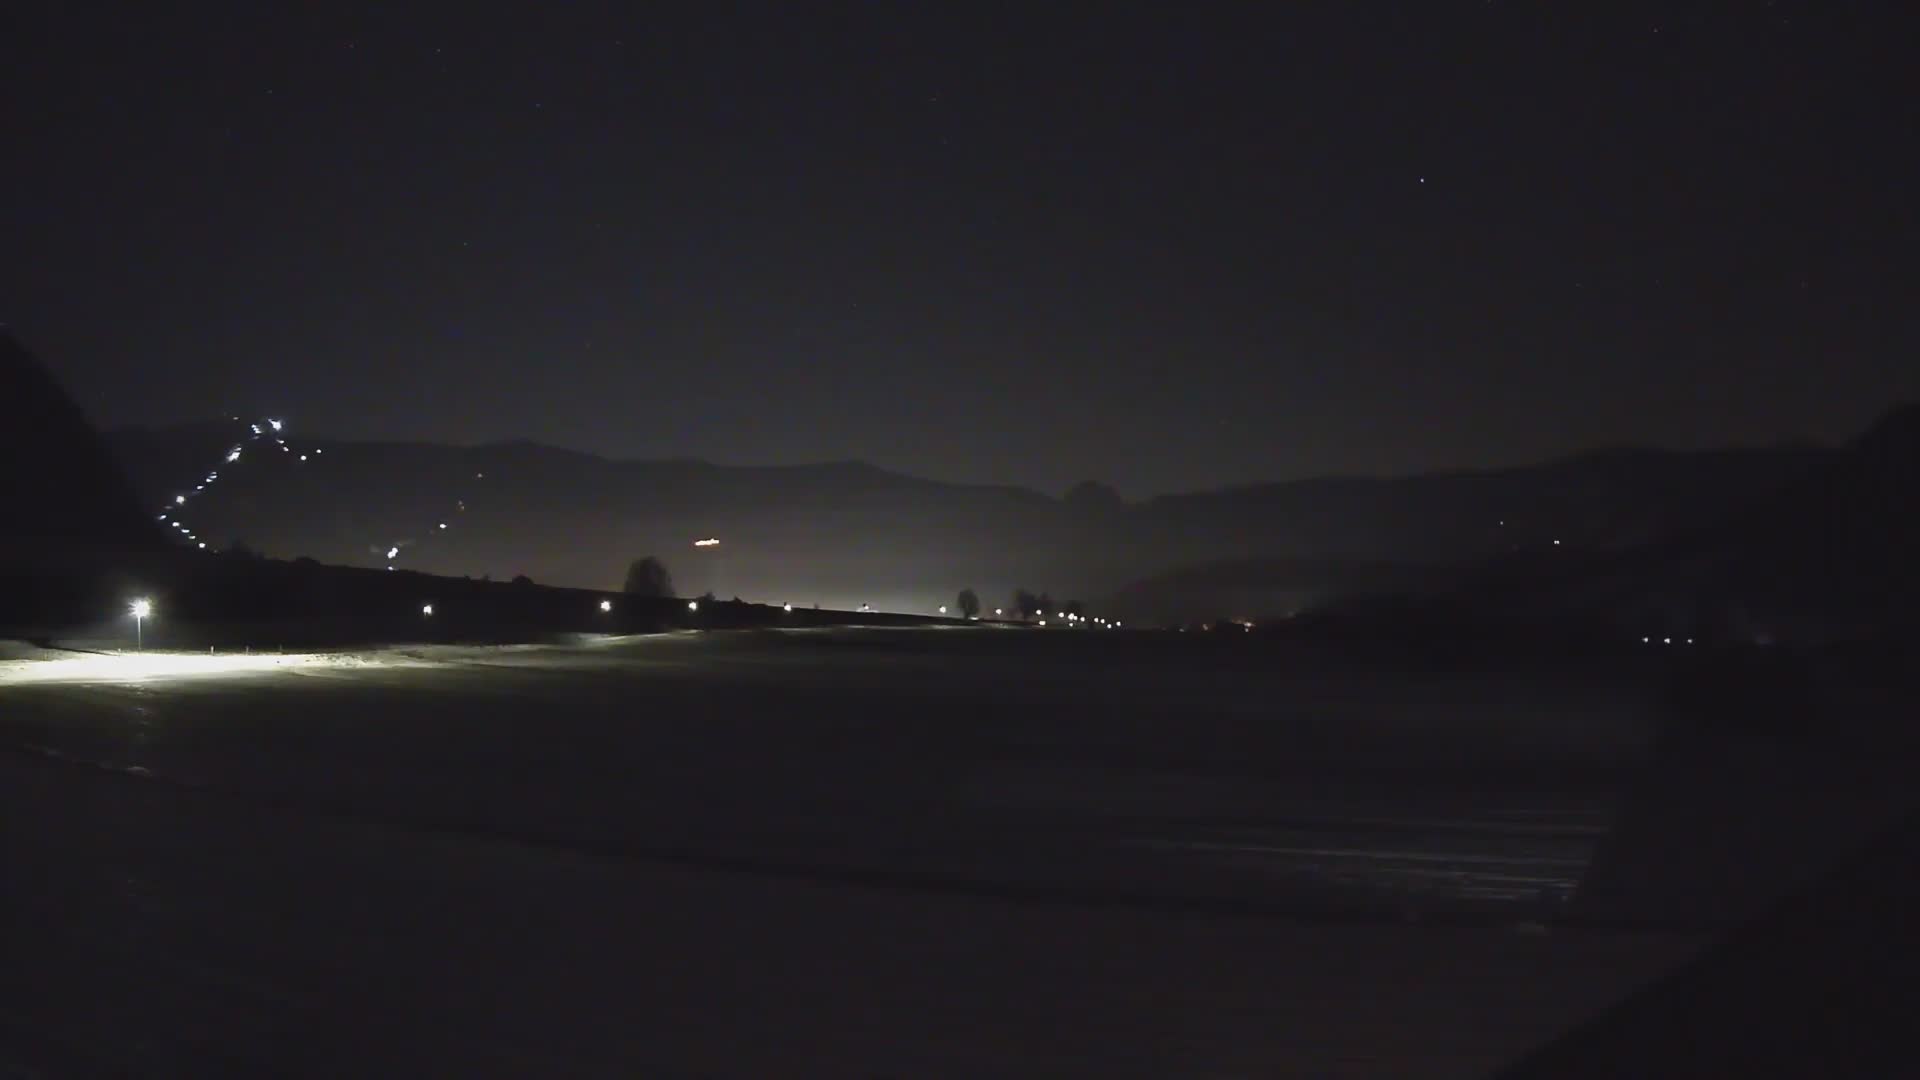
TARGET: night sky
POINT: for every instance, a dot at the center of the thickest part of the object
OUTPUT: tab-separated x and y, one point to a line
1166	247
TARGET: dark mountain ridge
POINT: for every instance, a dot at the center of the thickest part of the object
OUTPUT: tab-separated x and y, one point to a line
845	533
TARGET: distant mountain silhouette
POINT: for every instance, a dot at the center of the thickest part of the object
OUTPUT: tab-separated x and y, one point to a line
67	502
845	533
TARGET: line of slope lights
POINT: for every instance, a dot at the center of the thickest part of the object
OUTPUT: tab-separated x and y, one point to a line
171	513
459	506
265	428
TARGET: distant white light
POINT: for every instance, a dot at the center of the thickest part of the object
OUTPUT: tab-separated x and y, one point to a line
319	451
1646	641
1556	543
693	605
1666	641
710	541
1043	622
179	500
1689	641
443	524
997	611
786	607
140	608
426	609
255	427
1119	624
203	545
392	552
303	457
233	454
479	476
606	605
943	609
275	424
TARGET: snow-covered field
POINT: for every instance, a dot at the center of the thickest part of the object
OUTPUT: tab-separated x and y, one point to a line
656	850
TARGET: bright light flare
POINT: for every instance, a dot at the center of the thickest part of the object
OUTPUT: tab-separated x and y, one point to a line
693	605
129	667
788	608
711	541
140	608
275	424
943	609
606	605
426	609
179	500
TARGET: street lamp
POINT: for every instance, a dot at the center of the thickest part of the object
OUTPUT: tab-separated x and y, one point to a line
606	605
140	609
693	605
426	609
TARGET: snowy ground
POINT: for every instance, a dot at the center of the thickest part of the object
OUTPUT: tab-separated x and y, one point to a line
883	853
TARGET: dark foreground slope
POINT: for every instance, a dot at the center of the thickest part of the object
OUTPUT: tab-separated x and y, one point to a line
67	502
70	524
1822	985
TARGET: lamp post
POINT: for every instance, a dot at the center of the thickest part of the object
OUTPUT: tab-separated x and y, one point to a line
140	609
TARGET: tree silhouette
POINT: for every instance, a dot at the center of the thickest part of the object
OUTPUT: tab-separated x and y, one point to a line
1026	603
969	603
648	577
